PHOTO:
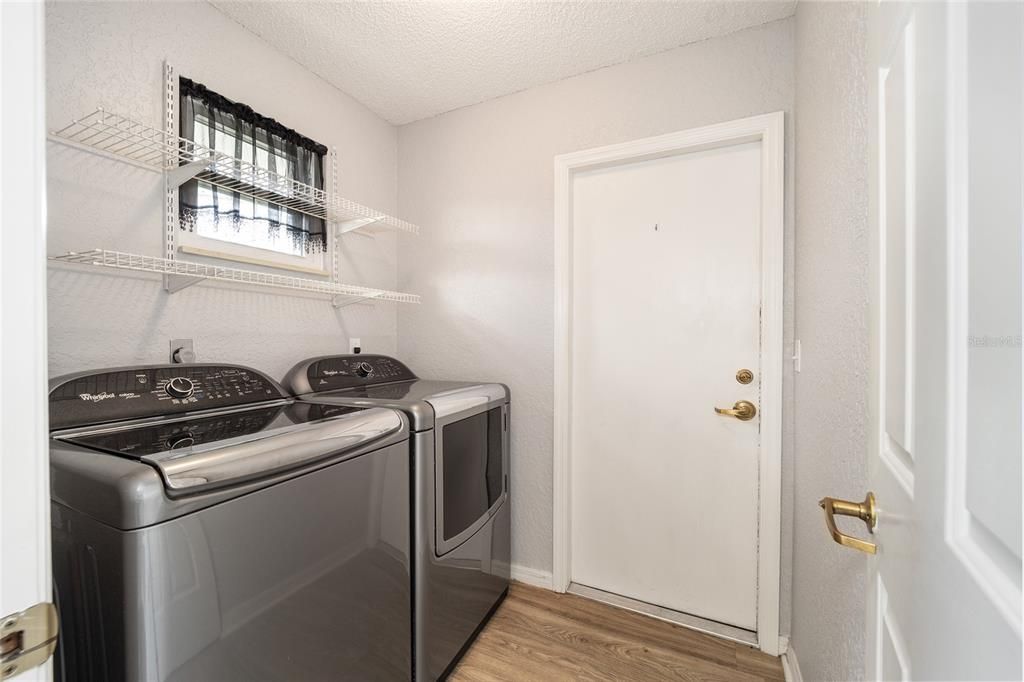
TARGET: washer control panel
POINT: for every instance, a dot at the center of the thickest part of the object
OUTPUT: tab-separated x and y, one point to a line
350	371
112	395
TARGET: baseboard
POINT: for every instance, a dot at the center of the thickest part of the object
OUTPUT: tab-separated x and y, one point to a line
531	576
790	668
733	634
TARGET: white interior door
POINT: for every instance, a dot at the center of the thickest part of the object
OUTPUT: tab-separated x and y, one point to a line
944	599
24	481
665	312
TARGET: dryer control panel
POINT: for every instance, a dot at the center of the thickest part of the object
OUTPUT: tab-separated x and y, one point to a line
132	393
350	371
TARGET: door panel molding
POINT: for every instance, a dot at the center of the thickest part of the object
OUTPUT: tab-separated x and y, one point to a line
992	565
893	661
768	129
896	221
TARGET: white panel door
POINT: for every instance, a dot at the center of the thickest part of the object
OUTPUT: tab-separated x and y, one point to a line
24	464
944	597
666	300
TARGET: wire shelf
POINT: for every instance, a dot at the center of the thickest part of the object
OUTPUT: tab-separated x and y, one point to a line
198	271
183	159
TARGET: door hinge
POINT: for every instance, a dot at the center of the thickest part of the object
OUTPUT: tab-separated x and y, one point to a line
27	639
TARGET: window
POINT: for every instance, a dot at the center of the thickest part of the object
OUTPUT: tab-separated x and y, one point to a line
234	225
473	469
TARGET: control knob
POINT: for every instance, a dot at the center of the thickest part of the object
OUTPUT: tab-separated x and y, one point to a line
180	387
364	369
181	440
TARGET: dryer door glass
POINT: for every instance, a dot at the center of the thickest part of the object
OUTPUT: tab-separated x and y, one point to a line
473	469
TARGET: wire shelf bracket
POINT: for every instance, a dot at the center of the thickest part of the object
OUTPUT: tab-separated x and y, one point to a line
339	302
353	225
178	176
175	283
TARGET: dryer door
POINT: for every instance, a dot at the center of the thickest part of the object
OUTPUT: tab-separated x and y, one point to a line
470	470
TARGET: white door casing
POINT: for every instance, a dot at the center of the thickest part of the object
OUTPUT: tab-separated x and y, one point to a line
664	491
763	137
24	464
944	592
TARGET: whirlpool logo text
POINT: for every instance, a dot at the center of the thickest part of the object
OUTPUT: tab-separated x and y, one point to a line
95	397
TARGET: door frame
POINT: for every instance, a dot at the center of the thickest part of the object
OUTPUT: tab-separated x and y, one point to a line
769	130
25	570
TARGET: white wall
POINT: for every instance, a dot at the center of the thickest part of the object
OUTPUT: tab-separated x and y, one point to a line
111	55
479	180
829	581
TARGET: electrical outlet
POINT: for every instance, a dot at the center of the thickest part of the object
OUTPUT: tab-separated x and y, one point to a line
183	351
354	346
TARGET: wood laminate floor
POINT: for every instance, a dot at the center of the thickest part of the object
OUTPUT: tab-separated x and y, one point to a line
542	635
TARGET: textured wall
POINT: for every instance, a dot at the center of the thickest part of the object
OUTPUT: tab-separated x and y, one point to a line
111	55
827	630
480	181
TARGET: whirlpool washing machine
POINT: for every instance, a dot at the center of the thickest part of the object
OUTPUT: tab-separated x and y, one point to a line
460	496
206	526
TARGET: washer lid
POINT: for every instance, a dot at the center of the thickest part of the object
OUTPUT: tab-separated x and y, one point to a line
209	450
422	400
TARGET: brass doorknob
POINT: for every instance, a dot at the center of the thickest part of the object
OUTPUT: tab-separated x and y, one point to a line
865	511
743	410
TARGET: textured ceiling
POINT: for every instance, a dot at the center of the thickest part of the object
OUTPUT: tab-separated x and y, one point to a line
411	60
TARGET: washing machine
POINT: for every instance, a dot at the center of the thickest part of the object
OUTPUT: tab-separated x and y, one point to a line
207	526
461	511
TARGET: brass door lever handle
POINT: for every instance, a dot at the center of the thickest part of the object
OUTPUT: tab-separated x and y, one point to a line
743	410
865	511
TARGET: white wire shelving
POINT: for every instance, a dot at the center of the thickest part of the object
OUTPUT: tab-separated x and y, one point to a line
183	273
181	160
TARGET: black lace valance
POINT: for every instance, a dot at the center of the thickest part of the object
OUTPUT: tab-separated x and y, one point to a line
212	120
189	88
